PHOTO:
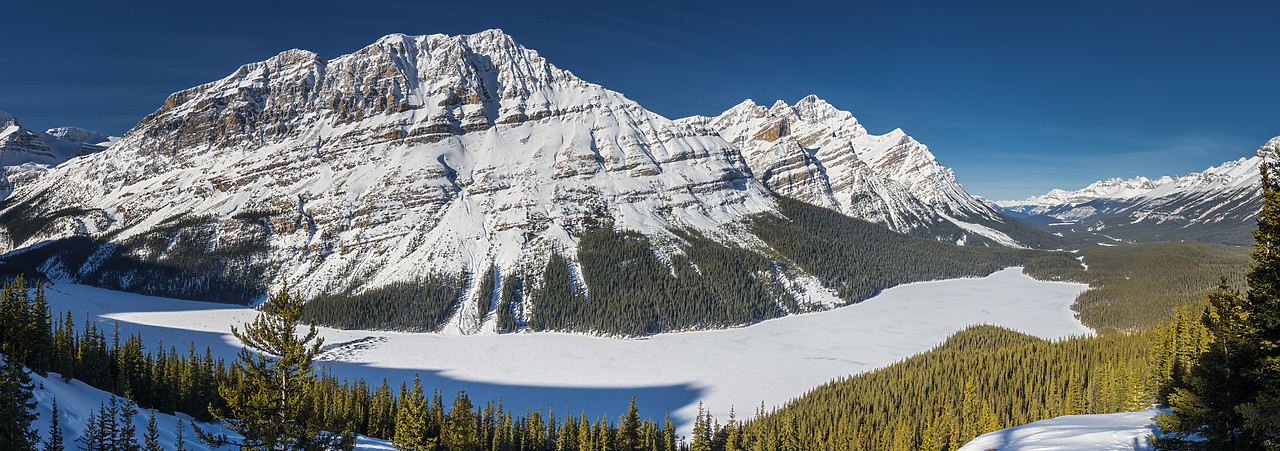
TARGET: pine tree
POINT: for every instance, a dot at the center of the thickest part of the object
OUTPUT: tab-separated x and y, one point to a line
268	408
151	441
701	431
126	437
668	433
54	442
180	436
629	433
1262	411
1231	398
95	436
460	432
16	407
39	331
585	442
411	419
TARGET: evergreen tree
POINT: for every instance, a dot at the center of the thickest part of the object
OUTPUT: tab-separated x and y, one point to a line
1231	398
151	441
268	408
629	434
411	419
461	433
16	407
95	436
126	437
1262	412
701	431
39	331
54	442
180	436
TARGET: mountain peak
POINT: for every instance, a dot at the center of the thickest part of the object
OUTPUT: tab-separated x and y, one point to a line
415	155
6	118
1270	150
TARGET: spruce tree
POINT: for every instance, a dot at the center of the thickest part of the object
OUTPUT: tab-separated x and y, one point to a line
461	433
151	441
701	431
1262	309
268	408
101	429
412	420
16	407
126	437
54	442
1231	398
180	436
630	428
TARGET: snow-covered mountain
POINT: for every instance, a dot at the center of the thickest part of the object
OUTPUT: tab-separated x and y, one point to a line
813	152
414	156
24	153
1217	204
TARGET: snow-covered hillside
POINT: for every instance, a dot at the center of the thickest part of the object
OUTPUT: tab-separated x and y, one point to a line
25	153
813	152
1113	431
412	157
773	361
76	401
1217	204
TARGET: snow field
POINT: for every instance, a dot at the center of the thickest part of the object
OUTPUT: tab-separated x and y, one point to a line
77	400
1113	431
765	364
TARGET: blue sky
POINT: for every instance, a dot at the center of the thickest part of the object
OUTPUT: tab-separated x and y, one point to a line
1016	97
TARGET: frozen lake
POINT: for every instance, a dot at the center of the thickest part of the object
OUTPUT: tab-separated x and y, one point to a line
772	361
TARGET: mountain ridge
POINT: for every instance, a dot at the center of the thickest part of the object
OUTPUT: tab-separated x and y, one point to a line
816	153
455	172
1216	204
26	153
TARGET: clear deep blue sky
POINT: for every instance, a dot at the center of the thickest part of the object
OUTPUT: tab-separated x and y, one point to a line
1017	97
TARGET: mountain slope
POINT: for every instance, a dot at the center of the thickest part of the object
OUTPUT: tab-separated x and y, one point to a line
1218	204
24	153
411	157
815	153
456	183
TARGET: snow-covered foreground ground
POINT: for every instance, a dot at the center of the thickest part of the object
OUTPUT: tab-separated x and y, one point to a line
769	362
76	401
1114	431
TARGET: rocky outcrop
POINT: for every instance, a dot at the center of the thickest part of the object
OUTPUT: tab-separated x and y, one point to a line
821	155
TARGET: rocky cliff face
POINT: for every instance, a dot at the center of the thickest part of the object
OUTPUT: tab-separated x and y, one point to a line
1218	204
25	153
821	155
414	156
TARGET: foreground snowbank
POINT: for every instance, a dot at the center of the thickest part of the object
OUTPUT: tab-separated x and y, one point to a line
1115	431
770	362
77	400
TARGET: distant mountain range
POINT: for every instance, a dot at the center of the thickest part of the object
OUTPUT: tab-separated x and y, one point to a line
1219	204
472	168
24	153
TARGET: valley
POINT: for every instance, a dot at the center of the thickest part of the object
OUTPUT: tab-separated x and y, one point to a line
770	362
457	214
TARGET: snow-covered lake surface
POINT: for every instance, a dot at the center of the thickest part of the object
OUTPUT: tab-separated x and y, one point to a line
770	362
1113	431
